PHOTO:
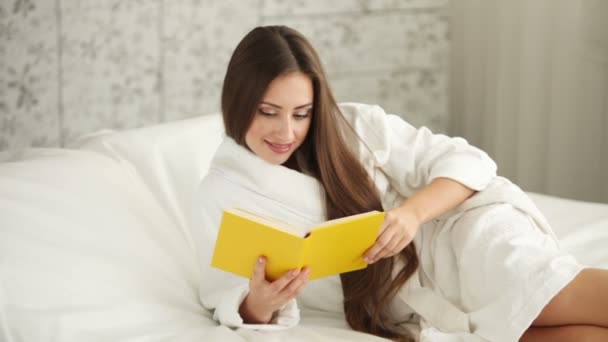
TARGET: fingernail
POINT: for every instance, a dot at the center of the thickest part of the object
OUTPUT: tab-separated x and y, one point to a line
295	272
260	260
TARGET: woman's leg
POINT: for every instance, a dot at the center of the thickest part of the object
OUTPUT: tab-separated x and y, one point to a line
566	333
583	301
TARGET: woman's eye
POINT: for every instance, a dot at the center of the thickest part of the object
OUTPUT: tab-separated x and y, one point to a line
301	115
263	112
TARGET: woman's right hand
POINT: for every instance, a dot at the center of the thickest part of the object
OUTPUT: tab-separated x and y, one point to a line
266	297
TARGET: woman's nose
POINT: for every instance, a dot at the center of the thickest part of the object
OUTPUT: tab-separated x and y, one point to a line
284	130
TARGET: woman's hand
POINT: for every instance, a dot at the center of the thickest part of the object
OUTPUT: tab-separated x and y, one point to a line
266	297
398	230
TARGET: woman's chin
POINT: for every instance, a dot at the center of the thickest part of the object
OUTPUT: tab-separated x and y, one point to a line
275	159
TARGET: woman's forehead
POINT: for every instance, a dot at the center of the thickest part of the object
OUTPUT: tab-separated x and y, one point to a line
292	90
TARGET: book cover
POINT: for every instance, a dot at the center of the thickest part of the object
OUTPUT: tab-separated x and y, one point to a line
332	247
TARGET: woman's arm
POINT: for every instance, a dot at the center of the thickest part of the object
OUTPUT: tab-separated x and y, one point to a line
434	172
435	199
401	224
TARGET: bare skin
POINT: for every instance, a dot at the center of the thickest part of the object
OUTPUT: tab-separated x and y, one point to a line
265	298
566	333
579	312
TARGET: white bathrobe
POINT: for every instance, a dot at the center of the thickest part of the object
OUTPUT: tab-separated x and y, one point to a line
487	268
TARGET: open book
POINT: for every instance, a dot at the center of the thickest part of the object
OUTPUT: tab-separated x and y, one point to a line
332	247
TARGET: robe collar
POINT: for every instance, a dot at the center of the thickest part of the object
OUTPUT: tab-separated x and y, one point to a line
239	165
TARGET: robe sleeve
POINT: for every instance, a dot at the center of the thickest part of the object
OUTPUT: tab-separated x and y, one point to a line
412	157
221	292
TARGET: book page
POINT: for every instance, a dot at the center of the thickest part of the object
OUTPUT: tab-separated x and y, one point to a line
271	221
343	219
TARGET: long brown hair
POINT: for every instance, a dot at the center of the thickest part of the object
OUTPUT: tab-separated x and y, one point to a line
264	54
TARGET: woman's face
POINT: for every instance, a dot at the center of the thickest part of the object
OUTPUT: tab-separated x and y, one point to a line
282	119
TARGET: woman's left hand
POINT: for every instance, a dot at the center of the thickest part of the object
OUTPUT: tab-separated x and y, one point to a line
398	230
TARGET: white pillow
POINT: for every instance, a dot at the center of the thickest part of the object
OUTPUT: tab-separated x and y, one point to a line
89	253
171	158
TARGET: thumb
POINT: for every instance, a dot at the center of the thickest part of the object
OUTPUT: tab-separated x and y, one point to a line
385	224
259	270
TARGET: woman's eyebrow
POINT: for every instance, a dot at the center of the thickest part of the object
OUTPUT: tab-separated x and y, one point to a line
279	107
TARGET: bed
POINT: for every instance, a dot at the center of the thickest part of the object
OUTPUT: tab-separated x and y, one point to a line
95	242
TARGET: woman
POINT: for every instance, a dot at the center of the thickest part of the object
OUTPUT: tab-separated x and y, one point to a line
462	254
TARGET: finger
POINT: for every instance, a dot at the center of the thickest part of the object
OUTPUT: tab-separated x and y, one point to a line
390	251
385	225
405	241
380	244
391	248
298	290
278	285
296	285
259	270
384	252
373	252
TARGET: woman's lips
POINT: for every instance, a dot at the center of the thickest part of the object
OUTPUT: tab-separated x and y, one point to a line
279	148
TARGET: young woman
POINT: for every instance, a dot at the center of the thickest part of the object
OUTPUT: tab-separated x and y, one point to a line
462	254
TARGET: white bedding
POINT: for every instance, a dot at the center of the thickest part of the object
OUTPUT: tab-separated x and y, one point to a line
582	227
95	245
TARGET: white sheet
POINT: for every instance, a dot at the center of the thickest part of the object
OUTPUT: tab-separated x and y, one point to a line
582	227
95	248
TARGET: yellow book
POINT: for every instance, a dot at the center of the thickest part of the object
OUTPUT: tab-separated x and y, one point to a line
332	247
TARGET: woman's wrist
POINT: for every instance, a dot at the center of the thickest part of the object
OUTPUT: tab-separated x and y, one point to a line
412	213
250	316
435	199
